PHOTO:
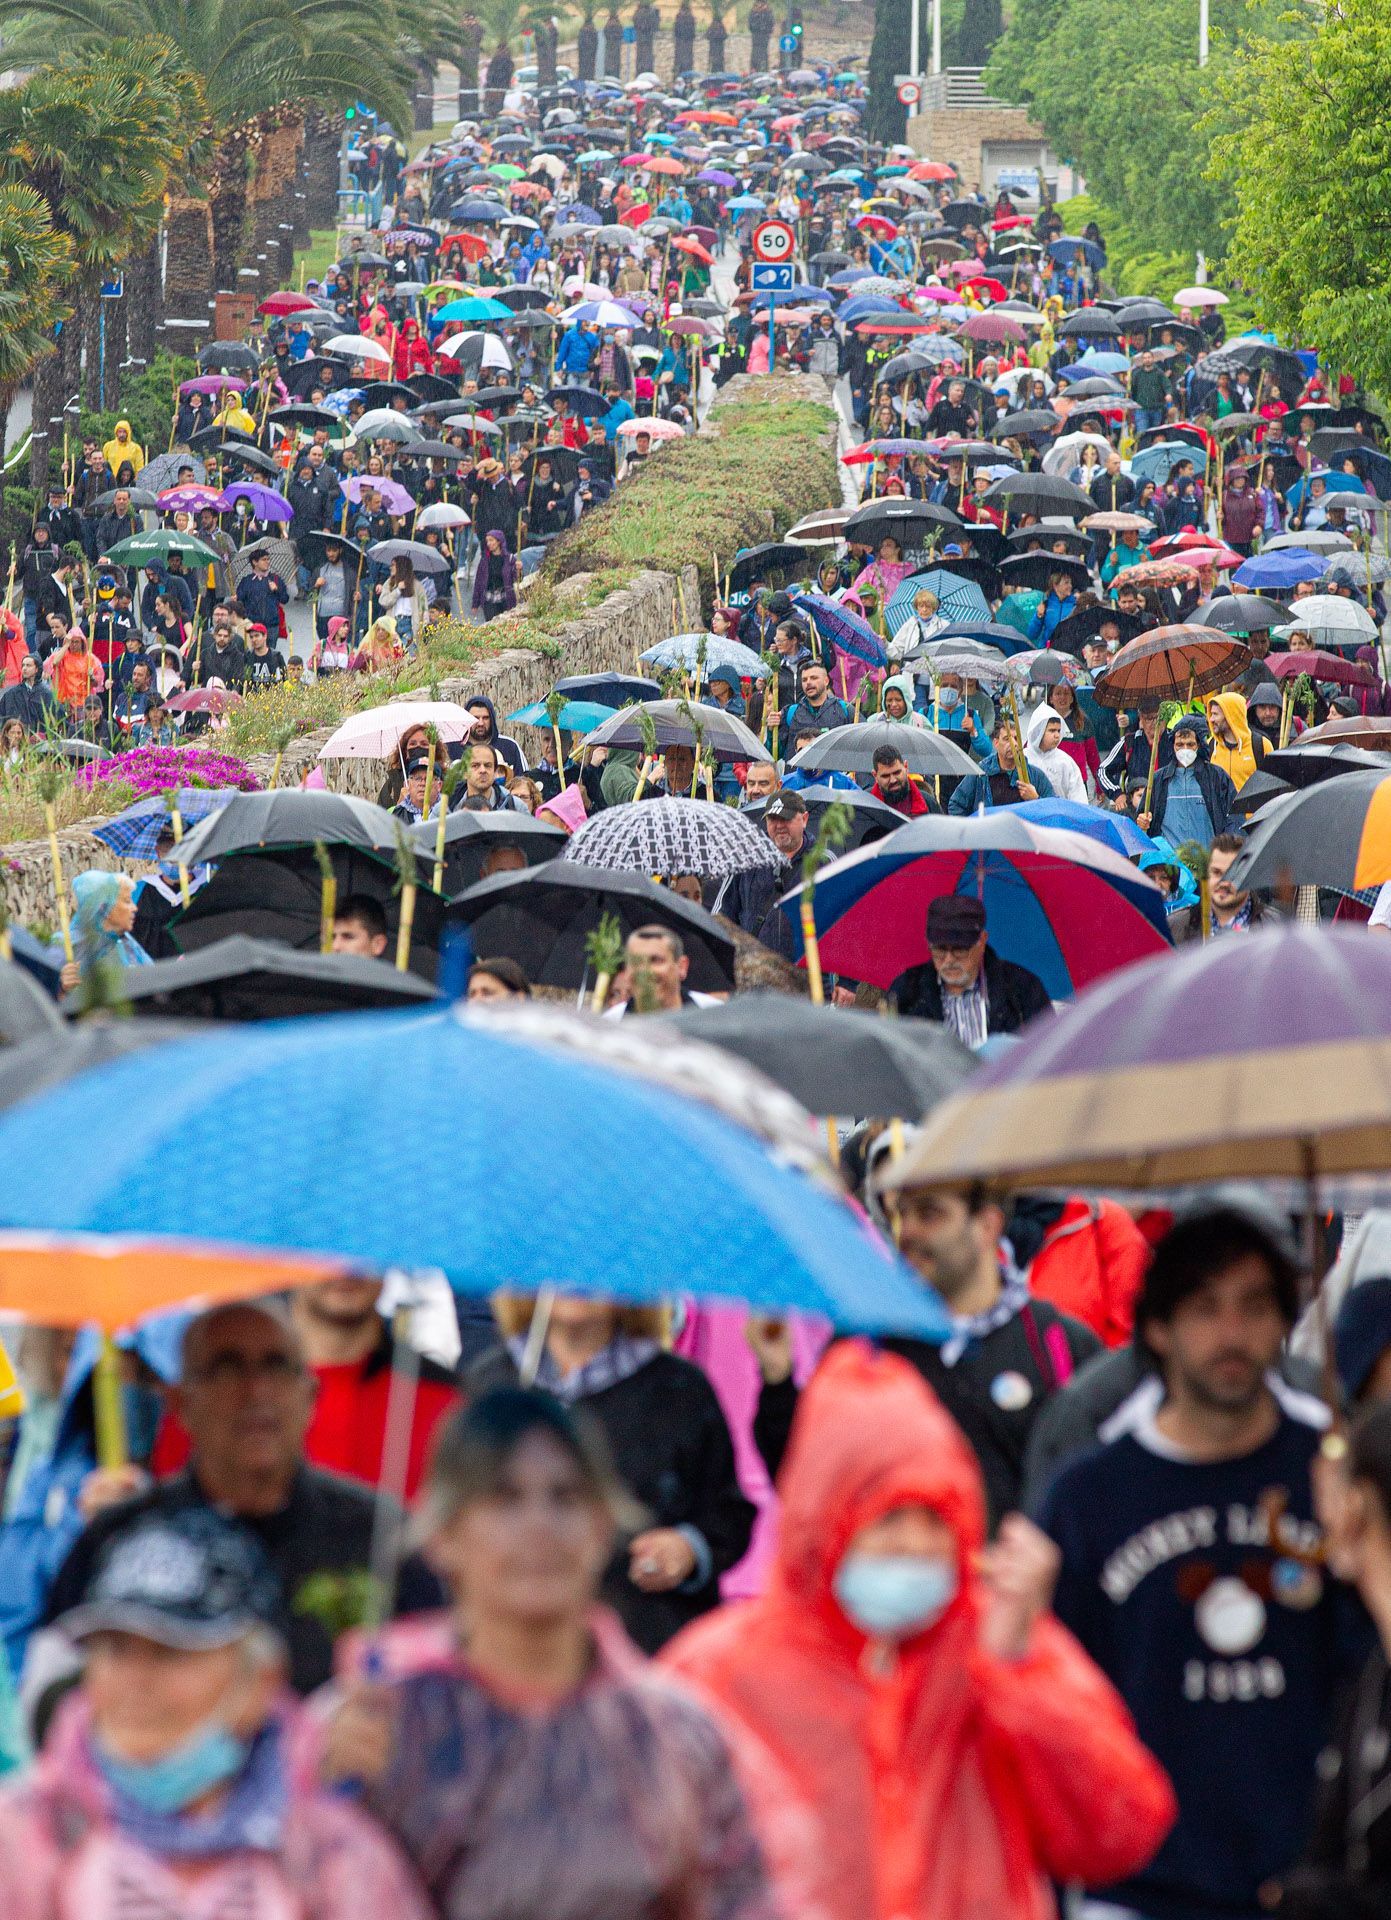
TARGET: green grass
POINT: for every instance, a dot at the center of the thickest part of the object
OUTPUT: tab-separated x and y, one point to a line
313	262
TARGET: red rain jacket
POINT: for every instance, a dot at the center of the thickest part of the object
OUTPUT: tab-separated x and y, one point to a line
1090	1265
952	1786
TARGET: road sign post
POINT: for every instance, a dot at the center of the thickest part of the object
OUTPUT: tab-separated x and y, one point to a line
773	244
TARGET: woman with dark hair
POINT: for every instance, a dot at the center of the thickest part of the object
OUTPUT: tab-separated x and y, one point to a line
669	1440
495	581
527	1760
500	979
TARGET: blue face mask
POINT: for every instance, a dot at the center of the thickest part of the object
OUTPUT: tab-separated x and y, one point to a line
207	1759
890	1596
948	699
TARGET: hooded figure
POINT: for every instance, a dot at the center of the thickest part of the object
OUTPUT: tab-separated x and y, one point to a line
1193	799
96	892
1241	759
902	685
123	446
1061	768
943	1779
508	750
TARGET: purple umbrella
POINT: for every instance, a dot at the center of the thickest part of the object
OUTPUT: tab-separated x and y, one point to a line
189	499
213	383
843	628
712	177
394	496
264	502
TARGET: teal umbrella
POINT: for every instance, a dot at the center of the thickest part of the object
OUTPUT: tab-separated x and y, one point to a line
576	716
1018	610
475	310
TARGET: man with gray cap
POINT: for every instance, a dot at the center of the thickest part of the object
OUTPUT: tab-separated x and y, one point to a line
965	984
169	1782
245	1399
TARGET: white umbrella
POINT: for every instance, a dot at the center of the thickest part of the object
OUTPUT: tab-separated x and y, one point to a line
607	313
375	735
495	352
1199	297
357	347
1329	613
1067	452
443	514
384	423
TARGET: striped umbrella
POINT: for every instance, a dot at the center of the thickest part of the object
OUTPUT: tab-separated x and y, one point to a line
958	599
1056	902
1263	1055
1172	663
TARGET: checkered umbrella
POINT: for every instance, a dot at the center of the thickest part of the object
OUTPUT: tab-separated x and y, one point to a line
672	836
135	833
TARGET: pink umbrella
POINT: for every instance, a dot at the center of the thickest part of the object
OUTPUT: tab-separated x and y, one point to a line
947	296
394	496
189	499
210	699
213	383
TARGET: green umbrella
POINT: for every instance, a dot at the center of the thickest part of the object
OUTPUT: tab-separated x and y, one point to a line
142	548
504	170
1018	610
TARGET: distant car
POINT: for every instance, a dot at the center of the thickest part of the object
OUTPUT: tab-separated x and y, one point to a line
529	78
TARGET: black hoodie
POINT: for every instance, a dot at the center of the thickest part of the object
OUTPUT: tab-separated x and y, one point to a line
508	750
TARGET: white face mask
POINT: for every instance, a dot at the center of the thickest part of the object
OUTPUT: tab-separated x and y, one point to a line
890	1596
1185	755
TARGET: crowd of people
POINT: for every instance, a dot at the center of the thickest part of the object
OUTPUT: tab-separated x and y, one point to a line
398	1603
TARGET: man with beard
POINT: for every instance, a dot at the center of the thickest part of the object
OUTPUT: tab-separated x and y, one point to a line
1192	1571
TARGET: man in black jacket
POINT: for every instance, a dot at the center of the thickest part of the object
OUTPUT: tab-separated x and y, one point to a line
751	898
966	985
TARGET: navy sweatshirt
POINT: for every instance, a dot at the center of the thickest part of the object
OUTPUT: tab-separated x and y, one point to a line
1225	1645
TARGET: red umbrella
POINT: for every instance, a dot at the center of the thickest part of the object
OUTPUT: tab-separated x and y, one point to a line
635	216
931	170
1161	573
983	283
659	163
1010	221
286	303
687	245
1319	666
1174	543
876	224
472	245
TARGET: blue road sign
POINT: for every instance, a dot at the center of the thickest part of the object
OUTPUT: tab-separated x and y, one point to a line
787	44
772	279
112	287
630	35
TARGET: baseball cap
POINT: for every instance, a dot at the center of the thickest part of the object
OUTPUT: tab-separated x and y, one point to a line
190	1580
784	805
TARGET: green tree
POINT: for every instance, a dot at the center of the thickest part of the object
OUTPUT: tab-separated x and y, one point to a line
1126	101
36	264
1311	232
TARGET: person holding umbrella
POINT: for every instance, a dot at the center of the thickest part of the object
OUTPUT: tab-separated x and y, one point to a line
1193	800
966	985
1000	782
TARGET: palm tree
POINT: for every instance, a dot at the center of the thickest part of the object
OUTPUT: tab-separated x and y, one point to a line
101	146
762	20
36	264
252	58
613	43
683	29
587	40
646	22
470	59
716	35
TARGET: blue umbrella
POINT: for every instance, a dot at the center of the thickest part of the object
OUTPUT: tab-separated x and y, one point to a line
745	203
794	296
1096	361
1081	370
655	1193
843	627
478	212
135	833
848	276
957	599
585	216
1065	250
1005	639
1333	483
1284	568
1114	830
576	716
474	310
872	305
1154	462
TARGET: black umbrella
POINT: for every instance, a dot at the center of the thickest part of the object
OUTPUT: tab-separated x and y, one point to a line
1035	569
1239	613
247	456
243	979
432	386
303	376
1039	493
290	817
1134	314
228	356
543	917
583	402
140	498
469	839
609	689
1086	623
1327	836
534	321
834	1059
1097	386
852	749
278	897
304	414
520	298
1074	542
1089	320
1024	424
428	450
1301	766
772	564
26	1011
902	367
313	545
383	393
220	439
565	464
678	724
871	819
910	522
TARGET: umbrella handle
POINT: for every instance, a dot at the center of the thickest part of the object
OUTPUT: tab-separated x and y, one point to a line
106	1407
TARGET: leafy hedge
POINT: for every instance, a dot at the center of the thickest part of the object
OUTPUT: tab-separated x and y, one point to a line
771	462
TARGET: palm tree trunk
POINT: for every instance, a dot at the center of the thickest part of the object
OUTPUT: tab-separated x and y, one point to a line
188	277
470	56
228	201
144	305
322	139
423	101
613	44
547	48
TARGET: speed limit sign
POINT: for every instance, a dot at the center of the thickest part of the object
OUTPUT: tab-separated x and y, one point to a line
773	242
909	93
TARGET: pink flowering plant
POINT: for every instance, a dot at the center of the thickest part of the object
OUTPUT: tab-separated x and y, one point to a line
155	769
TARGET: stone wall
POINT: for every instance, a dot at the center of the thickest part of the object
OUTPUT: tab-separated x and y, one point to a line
609	636
957	134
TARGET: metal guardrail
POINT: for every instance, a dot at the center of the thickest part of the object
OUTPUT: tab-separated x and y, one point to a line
958	87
